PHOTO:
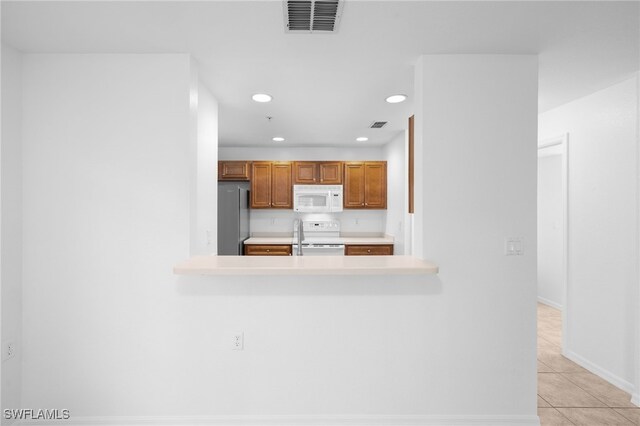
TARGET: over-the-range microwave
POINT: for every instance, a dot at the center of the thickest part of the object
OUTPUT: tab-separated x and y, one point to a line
317	198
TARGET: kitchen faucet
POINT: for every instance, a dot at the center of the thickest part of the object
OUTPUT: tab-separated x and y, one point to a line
297	230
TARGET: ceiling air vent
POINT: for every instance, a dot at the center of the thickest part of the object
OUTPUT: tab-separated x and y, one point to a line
378	124
312	16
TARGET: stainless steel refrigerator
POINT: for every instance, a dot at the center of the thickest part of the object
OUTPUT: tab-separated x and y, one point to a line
233	217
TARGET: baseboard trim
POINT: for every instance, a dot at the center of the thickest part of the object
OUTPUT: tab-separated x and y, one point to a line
549	303
531	420
606	375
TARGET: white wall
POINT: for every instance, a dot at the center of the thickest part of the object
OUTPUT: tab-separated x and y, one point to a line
106	176
285	153
397	220
635	398
602	228
353	222
204	196
109	331
11	223
476	151
550	231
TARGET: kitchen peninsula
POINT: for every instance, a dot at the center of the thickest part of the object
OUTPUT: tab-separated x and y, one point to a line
301	265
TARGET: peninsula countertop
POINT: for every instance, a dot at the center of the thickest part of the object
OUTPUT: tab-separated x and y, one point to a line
305	265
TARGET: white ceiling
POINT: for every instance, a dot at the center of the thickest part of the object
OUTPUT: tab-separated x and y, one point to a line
328	88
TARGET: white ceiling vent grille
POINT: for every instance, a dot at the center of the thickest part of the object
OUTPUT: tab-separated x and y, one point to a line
378	124
312	16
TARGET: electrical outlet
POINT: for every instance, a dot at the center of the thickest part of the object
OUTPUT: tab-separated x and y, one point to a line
8	350
237	341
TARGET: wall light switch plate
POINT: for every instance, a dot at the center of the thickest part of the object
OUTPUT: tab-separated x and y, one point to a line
513	246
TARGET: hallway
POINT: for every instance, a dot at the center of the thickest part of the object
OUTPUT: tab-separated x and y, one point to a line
567	393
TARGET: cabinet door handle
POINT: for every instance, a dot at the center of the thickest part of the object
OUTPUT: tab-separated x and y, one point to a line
368	250
362	204
268	250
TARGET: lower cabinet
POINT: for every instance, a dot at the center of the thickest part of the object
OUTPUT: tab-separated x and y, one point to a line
370	250
267	250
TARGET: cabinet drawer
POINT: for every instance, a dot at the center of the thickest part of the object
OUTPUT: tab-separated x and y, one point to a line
267	250
370	250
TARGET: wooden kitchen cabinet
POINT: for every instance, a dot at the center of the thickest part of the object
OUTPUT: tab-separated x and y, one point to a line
365	185
261	185
267	250
369	250
304	172
353	191
234	170
281	186
375	185
330	172
271	185
317	172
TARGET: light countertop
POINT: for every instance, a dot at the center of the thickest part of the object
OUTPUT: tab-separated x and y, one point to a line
345	240
368	240
305	265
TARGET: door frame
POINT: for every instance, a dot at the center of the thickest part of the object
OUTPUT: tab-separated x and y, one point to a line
559	145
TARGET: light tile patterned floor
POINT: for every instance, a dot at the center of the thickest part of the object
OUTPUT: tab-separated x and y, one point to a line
567	393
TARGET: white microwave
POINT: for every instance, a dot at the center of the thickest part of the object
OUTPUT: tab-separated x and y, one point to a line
317	198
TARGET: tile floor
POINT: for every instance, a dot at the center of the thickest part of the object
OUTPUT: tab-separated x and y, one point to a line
567	393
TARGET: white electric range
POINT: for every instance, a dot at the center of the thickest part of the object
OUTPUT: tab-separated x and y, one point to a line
317	238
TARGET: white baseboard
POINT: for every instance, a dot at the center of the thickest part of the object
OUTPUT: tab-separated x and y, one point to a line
606	375
531	420
549	303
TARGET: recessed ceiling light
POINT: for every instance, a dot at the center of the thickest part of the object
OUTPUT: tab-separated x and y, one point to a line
394	99
362	139
277	139
261	97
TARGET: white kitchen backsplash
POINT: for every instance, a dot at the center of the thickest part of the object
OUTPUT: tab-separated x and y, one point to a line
370	222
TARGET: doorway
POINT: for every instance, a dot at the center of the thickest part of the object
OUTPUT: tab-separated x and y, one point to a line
553	227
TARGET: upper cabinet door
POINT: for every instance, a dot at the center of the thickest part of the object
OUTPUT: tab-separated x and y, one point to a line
304	172
234	170
330	172
375	185
314	172
261	185
281	185
353	197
